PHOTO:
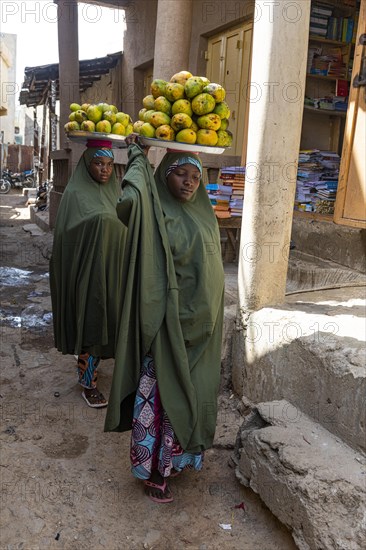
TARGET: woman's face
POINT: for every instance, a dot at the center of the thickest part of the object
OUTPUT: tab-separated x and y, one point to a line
184	181
101	168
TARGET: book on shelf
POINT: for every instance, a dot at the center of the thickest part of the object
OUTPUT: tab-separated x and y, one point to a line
321	10
222	215
318	31
220	207
225	189
219	199
342	88
319	21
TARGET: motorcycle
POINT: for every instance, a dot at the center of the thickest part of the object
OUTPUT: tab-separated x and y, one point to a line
17	180
5	186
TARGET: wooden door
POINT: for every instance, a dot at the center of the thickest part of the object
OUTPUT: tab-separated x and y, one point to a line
228	63
148	78
350	207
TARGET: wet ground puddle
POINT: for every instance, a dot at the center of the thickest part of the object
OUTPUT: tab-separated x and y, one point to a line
32	316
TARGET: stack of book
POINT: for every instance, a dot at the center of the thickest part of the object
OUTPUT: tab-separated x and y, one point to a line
328	61
227	197
235	176
220	195
319	19
317	181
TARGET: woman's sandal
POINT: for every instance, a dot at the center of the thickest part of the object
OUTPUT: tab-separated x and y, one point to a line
95	398
162	488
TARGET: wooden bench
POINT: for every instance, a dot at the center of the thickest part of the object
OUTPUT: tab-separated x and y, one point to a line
232	227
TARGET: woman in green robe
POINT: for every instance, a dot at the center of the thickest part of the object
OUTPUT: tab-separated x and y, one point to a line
86	267
167	366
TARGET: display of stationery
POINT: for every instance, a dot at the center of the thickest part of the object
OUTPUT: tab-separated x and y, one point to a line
317	181
227	197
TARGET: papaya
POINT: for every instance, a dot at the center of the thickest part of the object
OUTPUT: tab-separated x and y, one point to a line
203	104
209	122
165	132
186	136
207	137
180	121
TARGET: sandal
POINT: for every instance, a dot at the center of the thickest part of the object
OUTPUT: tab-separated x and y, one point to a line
162	488
175	473
95	398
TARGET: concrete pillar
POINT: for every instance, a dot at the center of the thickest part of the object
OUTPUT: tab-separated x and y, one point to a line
68	48
172	38
279	60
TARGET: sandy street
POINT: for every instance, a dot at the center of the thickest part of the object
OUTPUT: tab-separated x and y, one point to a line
65	483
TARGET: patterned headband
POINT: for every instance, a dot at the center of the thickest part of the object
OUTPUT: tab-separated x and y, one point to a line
104	153
183	160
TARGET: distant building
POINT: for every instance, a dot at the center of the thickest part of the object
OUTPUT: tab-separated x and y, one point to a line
8	86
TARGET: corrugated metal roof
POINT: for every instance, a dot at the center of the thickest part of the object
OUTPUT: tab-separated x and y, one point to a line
37	79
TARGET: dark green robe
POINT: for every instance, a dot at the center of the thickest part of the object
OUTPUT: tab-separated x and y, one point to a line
173	300
86	265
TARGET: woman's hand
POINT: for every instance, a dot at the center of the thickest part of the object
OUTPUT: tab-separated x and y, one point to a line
135	138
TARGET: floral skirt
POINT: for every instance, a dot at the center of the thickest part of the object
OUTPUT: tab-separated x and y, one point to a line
154	445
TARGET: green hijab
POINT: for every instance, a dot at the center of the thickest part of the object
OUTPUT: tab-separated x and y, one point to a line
173	303
194	240
86	264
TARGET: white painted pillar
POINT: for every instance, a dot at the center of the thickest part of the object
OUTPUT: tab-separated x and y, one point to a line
280	44
172	38
68	48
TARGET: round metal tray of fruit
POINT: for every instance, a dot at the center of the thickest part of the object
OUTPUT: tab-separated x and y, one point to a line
188	113
180	146
81	136
100	121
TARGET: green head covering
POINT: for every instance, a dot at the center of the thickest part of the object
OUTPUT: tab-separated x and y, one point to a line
86	263
171	161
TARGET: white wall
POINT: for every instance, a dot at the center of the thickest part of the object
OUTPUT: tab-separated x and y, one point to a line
8	84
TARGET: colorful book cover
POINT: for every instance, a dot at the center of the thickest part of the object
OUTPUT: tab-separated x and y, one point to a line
350	28
344	29
342	88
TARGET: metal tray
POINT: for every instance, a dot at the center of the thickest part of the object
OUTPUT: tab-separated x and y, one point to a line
185	147
81	136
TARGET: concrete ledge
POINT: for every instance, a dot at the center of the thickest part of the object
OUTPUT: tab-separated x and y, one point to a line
40	218
311	481
310	351
337	243
308	272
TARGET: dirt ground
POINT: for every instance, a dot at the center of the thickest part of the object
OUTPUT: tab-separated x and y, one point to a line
65	483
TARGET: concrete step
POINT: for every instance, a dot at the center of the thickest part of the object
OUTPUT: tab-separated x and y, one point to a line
337	243
310	351
308	478
306	272
40	218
